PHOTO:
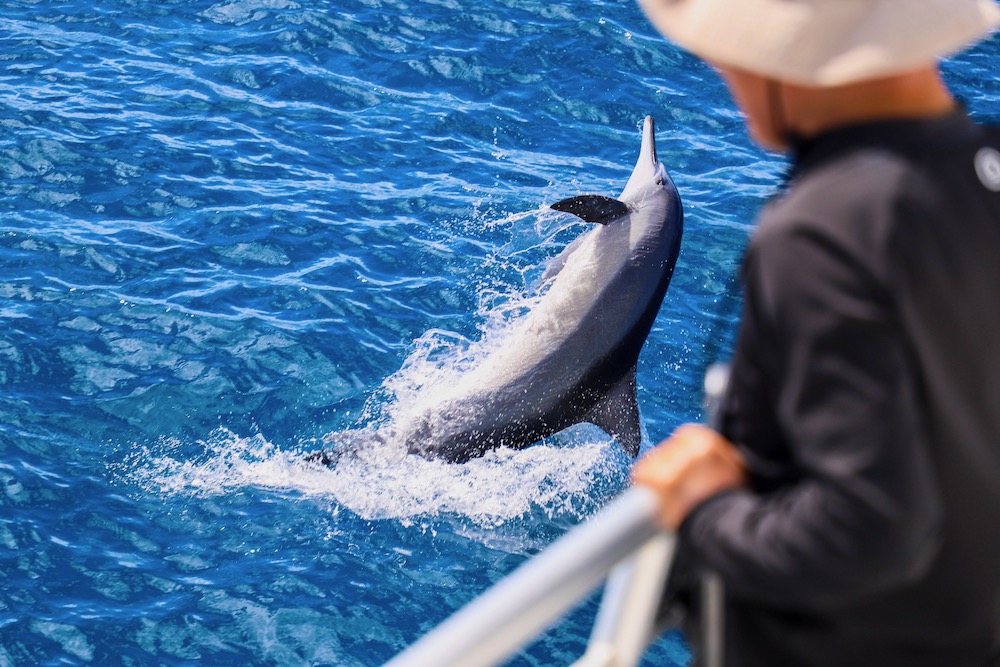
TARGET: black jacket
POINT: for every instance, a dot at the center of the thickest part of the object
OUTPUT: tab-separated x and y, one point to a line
865	393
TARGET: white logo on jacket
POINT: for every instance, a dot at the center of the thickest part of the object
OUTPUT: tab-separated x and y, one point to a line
988	168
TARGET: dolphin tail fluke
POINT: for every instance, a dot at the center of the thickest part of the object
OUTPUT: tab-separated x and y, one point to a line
617	413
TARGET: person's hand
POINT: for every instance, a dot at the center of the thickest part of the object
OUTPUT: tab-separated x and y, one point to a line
687	468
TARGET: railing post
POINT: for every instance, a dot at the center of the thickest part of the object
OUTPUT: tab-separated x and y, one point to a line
713	590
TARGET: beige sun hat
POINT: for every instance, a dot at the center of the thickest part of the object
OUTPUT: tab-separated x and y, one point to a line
823	42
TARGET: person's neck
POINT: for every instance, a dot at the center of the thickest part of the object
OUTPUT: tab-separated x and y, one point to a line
913	95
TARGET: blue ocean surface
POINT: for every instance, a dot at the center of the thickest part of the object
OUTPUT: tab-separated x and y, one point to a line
232	228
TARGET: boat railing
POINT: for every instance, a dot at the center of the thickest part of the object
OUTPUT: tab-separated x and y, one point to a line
622	543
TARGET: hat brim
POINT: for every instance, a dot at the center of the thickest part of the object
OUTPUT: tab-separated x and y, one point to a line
823	42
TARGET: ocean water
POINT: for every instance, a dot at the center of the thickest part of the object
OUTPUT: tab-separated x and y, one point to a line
232	228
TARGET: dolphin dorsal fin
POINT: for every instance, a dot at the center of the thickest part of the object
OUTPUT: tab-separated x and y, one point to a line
593	208
617	414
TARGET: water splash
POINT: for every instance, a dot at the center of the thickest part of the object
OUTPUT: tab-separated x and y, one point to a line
565	479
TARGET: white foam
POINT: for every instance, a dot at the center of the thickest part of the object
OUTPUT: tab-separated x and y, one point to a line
560	479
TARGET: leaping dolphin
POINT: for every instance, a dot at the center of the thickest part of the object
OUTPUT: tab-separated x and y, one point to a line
573	357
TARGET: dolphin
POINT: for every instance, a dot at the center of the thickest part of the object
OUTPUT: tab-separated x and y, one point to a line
573	357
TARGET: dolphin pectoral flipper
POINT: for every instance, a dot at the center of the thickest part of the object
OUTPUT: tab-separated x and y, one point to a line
617	413
593	208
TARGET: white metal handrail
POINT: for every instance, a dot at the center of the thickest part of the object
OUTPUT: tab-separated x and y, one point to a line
517	608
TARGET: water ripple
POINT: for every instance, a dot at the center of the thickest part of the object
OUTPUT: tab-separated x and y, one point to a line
231	227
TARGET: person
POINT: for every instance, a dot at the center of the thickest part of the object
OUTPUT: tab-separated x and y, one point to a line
850	501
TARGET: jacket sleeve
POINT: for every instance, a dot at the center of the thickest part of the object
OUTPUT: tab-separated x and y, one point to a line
822	355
